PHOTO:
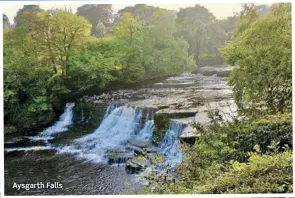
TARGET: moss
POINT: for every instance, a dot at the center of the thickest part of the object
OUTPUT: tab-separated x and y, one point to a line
141	158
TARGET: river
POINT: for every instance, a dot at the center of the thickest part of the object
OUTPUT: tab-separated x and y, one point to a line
87	149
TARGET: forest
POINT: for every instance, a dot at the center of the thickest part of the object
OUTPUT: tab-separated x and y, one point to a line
52	57
97	50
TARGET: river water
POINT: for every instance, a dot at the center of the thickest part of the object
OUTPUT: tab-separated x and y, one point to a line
86	149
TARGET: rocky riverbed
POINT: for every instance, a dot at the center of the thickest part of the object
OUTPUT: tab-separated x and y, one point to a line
102	143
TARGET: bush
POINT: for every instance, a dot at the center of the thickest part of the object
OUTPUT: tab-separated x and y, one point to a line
262	174
253	156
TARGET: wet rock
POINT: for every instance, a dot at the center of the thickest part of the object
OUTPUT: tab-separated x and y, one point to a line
137	150
183	113
152	157
119	158
189	135
136	165
151	149
139	142
163	106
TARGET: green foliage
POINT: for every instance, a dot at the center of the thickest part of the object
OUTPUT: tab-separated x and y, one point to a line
242	157
262	55
144	12
93	65
51	58
128	27
36	55
204	33
262	174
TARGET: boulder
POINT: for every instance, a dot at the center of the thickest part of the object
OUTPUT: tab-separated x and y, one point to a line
189	135
139	142
119	158
136	165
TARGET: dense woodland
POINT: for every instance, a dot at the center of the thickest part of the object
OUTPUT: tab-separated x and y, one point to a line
51	57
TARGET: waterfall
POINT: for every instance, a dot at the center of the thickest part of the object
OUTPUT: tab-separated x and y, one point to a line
119	125
170	145
65	120
146	132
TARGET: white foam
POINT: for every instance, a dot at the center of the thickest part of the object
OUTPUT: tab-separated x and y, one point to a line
112	135
65	120
170	145
34	148
62	124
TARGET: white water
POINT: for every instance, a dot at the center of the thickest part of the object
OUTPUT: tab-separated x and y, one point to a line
170	145
118	126
65	120
33	148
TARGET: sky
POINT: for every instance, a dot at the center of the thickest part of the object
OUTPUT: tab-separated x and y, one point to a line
219	10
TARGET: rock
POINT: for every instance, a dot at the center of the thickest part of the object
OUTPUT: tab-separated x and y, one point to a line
137	150
163	106
174	113
136	165
119	158
189	135
151	149
152	157
139	142
147	172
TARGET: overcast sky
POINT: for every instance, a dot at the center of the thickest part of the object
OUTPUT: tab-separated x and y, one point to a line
221	10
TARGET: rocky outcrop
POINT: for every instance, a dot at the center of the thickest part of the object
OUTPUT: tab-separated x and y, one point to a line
189	135
137	165
145	155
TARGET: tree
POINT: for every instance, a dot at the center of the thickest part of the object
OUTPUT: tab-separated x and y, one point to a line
27	9
128	27
143	11
59	34
262	54
97	14
200	29
164	21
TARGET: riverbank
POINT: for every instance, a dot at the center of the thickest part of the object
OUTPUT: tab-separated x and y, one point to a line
253	156
84	136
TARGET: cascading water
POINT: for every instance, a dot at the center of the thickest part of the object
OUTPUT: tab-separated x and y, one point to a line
170	145
65	120
119	125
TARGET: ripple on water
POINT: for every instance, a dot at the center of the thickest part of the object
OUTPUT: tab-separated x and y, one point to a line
78	177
